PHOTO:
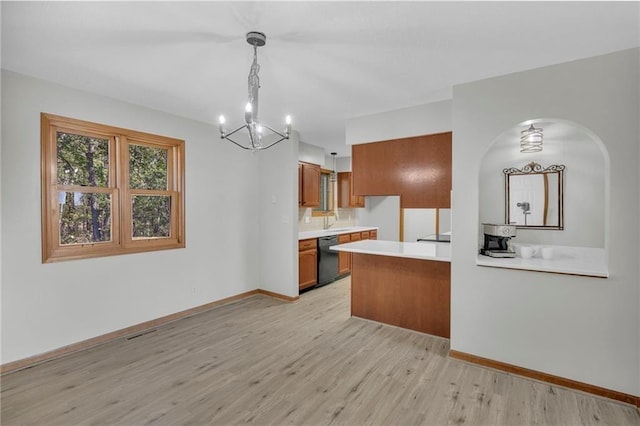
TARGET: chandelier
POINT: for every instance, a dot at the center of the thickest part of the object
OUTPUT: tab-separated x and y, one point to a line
254	128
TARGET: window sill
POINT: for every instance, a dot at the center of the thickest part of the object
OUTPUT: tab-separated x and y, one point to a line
321	213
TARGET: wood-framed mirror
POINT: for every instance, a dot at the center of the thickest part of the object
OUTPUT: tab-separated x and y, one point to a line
534	196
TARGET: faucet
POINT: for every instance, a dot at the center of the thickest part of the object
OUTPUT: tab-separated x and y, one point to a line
526	209
327	225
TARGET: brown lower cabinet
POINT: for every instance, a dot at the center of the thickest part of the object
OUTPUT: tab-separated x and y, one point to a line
344	258
308	257
307	263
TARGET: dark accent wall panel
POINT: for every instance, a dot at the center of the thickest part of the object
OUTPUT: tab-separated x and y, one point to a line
417	168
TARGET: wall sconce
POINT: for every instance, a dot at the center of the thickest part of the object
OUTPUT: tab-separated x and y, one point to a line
531	139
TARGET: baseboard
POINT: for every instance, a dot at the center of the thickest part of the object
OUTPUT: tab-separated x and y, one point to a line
549	378
128	331
278	295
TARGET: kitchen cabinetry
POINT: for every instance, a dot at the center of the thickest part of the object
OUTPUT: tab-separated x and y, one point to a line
307	263
364	235
417	168
418	299
344	258
346	197
308	185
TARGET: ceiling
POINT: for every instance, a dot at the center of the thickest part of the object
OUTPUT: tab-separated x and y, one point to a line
324	62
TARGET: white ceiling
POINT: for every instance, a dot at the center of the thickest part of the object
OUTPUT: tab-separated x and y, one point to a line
324	62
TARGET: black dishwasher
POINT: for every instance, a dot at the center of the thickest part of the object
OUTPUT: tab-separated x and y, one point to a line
327	260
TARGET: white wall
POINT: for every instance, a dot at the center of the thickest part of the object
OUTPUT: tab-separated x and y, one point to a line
47	306
343	164
418	223
277	217
581	328
419	120
1	207
311	154
383	212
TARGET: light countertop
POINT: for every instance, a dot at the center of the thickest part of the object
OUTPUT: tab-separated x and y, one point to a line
586	261
440	252
337	231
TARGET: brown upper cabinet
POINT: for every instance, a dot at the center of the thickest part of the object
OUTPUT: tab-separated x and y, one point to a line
346	198
418	169
308	185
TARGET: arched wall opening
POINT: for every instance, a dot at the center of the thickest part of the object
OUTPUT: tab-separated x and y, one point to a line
586	182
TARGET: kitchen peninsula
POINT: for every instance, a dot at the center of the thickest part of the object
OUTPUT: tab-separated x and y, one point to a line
406	284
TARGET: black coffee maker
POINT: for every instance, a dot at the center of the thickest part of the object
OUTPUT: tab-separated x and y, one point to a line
496	240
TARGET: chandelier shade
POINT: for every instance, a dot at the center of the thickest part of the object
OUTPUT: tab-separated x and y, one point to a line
334	175
531	139
255	130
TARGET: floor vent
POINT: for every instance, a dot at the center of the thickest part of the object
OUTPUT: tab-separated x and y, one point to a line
135	336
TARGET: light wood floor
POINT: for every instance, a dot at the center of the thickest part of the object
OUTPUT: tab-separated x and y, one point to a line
263	361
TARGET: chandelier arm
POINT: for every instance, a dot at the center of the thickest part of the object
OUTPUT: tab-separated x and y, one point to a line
278	141
235	131
236	143
282	135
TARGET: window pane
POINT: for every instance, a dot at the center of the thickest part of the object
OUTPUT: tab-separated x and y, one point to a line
147	167
85	217
151	216
325	193
82	160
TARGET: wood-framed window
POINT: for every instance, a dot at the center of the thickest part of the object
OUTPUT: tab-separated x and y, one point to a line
108	191
326	195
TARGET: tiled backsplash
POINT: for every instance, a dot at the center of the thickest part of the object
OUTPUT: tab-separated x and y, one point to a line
344	218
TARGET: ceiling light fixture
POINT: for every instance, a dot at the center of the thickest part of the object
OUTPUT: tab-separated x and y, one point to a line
334	176
531	139
252	124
